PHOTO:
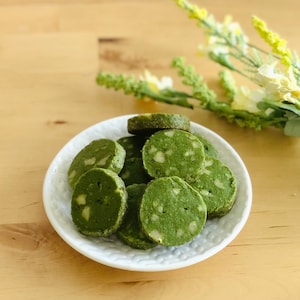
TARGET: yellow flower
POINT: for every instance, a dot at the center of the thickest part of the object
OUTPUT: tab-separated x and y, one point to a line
194	11
286	61
198	13
259	25
277	44
180	3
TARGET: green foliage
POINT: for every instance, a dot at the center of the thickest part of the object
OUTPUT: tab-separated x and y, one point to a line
277	74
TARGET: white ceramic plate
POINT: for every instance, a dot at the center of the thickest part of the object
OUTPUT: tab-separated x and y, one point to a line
217	233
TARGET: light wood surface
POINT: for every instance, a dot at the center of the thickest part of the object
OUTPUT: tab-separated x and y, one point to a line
50	53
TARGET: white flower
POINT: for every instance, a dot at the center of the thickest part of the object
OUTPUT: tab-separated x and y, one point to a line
214	45
233	30
247	100
278	86
155	84
227	31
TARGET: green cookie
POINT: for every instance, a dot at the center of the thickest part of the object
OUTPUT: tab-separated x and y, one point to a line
130	232
218	187
99	202
209	149
173	153
150	123
172	213
102	153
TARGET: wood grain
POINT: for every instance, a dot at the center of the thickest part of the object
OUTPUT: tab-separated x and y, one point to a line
50	53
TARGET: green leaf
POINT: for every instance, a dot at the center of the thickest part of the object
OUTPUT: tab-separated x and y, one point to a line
222	59
290	107
263	105
292	127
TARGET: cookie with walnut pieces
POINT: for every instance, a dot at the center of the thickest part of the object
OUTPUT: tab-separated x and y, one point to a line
99	202
101	153
174	153
218	187
172	213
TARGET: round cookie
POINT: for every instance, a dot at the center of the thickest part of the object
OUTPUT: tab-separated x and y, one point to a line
172	213
173	153
209	149
102	153
99	202
133	145
130	232
150	123
218	187
134	172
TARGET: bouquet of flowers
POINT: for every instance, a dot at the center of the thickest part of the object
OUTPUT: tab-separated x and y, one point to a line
274	100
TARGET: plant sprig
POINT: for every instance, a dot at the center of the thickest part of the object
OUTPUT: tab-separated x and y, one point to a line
276	100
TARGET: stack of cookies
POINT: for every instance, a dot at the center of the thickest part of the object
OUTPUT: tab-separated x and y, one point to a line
156	186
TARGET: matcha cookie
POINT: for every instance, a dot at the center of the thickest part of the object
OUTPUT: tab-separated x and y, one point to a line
218	187
173	153
133	145
99	202
171	213
208	147
134	172
150	123
102	153
130	232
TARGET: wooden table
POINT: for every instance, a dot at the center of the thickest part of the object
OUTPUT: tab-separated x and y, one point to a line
50	53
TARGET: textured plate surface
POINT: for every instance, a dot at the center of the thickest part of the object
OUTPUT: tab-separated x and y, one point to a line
217	234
